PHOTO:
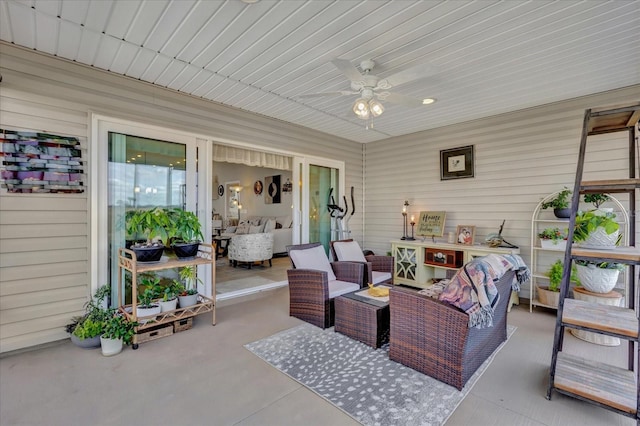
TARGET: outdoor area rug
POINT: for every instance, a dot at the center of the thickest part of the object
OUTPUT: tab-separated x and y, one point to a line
360	380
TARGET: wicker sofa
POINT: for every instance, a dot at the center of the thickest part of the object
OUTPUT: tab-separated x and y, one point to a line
434	337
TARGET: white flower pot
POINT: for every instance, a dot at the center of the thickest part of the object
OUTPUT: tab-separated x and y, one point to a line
110	346
553	245
188	300
169	305
597	280
145	312
600	238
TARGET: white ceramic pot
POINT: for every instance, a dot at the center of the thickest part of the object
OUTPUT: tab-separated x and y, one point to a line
189	300
597	280
553	245
146	312
169	305
110	346
600	238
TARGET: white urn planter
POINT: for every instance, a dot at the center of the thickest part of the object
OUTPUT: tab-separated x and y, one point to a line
597	280
110	346
169	305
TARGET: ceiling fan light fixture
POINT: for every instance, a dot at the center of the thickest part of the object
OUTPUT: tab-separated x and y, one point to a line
361	108
427	101
375	107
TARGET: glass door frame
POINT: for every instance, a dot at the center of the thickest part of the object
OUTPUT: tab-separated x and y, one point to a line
197	199
301	197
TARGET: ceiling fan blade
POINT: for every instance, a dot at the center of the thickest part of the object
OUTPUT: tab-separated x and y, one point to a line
348	69
413	73
396	98
337	93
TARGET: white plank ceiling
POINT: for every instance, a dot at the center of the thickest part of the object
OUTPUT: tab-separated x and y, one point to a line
490	57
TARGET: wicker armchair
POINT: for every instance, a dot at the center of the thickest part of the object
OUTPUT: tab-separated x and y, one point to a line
251	248
434	337
314	282
379	269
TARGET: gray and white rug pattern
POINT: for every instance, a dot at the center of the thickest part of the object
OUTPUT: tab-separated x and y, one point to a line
361	381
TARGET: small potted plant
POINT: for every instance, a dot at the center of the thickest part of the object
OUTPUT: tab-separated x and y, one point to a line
118	331
185	233
596	199
151	225
549	295
598	277
169	296
147	307
553	238
188	294
85	329
597	229
560	204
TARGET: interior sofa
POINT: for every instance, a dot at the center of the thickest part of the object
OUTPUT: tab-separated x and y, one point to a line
279	226
434	337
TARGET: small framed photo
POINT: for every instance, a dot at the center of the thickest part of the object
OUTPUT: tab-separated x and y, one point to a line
465	234
456	163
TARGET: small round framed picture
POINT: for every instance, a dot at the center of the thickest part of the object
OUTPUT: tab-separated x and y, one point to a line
220	190
257	187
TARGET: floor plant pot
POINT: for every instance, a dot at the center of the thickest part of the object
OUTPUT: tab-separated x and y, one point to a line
169	305
110	346
597	280
188	300
90	343
146	312
548	297
185	250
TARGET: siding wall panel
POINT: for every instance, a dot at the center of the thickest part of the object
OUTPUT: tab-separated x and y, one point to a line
51	232
520	157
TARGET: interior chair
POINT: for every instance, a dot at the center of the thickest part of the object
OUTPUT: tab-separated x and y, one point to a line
251	248
314	282
434	337
378	270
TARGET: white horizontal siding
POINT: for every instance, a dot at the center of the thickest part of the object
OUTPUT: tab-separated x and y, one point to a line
44	239
520	157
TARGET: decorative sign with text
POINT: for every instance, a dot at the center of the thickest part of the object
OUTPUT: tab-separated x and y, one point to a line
431	224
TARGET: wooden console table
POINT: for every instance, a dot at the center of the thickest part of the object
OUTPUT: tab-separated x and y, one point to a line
417	263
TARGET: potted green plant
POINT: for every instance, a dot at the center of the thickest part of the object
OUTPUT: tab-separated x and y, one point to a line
152	226
118	331
188	294
597	229
598	277
596	199
549	295
553	238
169	296
559	203
85	329
147	307
185	232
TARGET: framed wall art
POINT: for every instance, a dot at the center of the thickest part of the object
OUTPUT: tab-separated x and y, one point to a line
431	224
457	163
465	234
272	189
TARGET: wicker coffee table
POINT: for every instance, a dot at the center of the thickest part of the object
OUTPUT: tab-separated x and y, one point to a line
362	318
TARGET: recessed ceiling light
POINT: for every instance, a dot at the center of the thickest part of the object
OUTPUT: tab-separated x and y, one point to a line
428	101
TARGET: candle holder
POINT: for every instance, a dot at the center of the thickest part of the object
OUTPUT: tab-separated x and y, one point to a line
405	228
413	223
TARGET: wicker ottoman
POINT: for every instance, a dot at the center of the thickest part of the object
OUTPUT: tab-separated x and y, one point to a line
362	319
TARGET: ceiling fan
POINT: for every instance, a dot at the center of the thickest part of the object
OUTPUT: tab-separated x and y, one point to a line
373	89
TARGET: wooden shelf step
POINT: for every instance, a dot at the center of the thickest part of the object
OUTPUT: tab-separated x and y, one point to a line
611	320
610	186
605	384
629	255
